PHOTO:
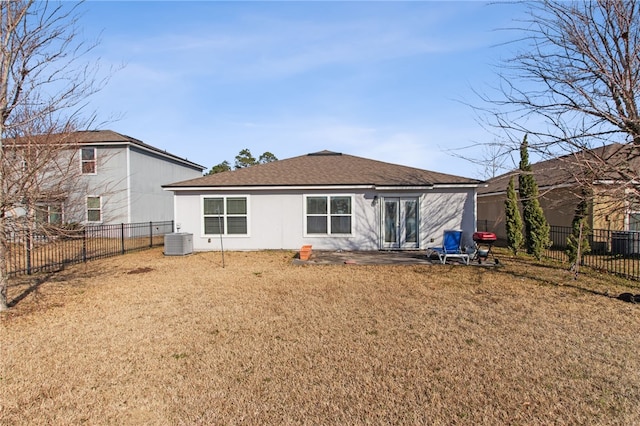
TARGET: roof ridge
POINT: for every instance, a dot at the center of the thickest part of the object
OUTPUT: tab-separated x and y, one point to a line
324	152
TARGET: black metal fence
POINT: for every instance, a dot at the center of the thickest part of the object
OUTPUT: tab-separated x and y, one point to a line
30	252
616	252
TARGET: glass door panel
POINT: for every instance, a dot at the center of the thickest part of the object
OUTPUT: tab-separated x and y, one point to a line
410	208
400	223
391	222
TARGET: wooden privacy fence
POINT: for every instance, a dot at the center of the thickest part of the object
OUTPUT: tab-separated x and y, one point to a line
615	252
30	252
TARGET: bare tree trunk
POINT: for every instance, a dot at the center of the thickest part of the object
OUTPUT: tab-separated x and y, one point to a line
4	284
575	267
43	89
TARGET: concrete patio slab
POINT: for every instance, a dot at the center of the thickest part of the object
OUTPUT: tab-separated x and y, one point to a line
383	257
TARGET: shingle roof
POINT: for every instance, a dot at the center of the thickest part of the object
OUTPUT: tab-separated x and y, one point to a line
109	136
325	168
104	137
571	169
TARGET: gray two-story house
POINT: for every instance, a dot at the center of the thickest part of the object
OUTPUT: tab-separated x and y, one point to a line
120	181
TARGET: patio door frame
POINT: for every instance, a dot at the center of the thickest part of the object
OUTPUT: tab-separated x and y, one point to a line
397	230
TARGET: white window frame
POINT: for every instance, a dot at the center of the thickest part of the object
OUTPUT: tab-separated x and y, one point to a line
632	209
94	161
328	215
87	209
49	209
628	218
225	215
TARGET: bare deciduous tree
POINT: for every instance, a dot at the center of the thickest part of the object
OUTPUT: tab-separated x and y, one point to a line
43	91
491	158
574	87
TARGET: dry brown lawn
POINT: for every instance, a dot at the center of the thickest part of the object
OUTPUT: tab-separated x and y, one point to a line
148	339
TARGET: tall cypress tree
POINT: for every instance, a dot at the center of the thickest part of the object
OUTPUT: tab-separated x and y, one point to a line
536	228
513	221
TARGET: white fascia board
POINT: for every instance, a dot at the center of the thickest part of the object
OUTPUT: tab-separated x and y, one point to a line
542	188
489	194
316	187
404	188
268	188
458	185
612	182
157	151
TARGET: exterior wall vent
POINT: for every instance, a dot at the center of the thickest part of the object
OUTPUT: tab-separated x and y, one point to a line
178	244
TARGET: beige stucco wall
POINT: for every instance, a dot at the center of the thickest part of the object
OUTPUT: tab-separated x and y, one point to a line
559	207
609	212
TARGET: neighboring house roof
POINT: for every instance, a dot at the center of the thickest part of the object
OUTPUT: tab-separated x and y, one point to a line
326	168
571	169
111	138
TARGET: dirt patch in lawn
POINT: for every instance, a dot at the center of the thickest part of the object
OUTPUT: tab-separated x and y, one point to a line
264	341
142	270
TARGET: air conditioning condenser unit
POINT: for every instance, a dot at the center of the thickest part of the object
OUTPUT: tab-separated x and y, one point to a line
178	244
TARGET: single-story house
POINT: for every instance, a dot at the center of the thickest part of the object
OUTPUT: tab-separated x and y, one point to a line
326	199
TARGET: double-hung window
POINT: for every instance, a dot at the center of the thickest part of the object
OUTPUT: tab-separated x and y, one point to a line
329	214
94	209
634	221
225	215
88	160
633	214
49	213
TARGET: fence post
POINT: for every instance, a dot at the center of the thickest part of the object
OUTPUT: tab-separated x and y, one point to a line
84	244
122	237
28	251
150	234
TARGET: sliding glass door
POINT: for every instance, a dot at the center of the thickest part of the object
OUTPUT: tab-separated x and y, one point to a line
400	222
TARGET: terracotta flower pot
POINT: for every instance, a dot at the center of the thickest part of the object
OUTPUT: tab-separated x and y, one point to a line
305	252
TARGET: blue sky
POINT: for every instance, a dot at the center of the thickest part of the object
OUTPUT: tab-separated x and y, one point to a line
382	80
